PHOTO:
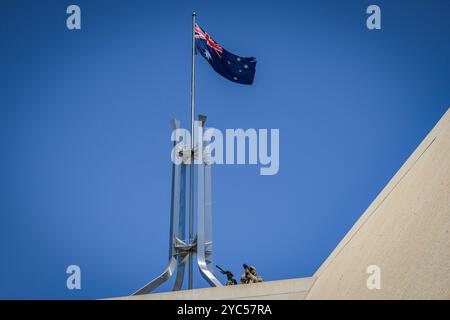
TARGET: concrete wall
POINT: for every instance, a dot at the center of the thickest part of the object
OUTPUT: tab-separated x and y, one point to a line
294	289
405	231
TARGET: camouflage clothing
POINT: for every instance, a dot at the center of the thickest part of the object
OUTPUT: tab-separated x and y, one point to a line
250	276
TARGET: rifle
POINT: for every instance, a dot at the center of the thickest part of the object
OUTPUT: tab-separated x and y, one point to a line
229	274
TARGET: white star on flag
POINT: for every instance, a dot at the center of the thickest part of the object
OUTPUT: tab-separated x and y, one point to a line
208	55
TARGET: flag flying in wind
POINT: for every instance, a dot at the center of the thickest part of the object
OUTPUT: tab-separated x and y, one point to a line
234	68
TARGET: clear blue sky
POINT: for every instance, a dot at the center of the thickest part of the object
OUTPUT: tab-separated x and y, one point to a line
85	136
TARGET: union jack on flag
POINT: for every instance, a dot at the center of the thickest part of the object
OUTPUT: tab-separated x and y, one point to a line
234	68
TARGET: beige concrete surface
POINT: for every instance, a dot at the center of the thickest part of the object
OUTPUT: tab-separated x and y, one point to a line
295	289
405	231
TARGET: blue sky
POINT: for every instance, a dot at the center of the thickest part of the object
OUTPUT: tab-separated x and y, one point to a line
85	136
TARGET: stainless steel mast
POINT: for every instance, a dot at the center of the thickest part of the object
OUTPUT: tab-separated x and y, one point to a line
191	178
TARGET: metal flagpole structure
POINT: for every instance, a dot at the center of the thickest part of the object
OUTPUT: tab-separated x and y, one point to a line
191	178
182	250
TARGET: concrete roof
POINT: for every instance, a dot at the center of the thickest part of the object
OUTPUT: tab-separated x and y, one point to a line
405	231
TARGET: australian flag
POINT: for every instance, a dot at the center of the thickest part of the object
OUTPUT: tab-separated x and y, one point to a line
234	68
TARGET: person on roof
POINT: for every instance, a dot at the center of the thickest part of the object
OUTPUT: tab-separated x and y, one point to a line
250	275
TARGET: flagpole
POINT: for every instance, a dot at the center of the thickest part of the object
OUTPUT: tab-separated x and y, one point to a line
191	178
